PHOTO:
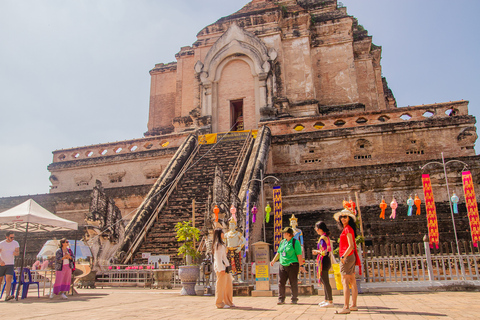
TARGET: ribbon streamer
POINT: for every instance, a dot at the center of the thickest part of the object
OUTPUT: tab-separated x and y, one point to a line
418	202
383	206
394	206
410	204
455	199
268	209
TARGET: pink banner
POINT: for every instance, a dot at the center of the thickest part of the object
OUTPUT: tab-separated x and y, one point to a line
472	207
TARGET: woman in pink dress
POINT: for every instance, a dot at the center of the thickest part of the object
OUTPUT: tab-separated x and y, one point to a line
64	265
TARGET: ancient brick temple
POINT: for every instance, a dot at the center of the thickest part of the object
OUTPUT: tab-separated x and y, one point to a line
307	76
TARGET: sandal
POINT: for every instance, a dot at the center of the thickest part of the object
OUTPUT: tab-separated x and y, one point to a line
352	308
343	311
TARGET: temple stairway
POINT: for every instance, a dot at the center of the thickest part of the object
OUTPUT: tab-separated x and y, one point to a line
194	184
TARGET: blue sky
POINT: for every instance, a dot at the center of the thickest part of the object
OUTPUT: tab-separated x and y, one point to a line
75	73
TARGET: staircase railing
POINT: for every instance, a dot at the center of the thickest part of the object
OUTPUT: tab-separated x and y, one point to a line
143	233
238	163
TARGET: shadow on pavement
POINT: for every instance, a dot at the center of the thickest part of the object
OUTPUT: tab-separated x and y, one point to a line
395	311
81	297
251	309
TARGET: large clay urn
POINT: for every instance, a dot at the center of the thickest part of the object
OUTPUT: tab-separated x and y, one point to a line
188	275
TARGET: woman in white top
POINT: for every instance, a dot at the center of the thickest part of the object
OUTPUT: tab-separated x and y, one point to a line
224	286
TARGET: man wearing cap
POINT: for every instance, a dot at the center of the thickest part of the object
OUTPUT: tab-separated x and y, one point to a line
8	249
291	261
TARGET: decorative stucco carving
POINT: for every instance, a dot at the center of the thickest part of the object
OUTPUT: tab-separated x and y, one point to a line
236	44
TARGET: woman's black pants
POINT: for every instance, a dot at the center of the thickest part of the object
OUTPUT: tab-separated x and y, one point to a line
327	288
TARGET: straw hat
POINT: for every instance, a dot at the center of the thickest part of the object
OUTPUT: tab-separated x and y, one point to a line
344	212
288	230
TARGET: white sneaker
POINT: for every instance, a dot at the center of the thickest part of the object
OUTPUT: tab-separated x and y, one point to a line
327	305
51	295
226	306
64	296
321	304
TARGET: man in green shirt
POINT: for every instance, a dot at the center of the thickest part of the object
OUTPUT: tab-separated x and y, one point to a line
291	261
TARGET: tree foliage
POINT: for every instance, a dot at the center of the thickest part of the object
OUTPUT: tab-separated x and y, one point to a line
186	233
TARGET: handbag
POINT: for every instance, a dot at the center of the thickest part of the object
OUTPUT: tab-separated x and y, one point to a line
227	268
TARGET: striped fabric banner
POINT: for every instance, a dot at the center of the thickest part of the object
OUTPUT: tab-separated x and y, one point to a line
431	211
472	207
277	217
247	226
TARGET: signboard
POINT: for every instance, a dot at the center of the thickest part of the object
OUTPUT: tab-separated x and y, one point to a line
145	255
156	260
261	258
261	273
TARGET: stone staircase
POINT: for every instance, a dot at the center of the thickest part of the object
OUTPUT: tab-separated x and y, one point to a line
194	184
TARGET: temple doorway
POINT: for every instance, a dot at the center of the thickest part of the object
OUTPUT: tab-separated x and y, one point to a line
236	112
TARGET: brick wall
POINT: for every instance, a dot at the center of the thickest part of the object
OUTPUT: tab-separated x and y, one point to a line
194	185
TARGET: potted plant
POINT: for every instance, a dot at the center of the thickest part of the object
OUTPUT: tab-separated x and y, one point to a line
190	272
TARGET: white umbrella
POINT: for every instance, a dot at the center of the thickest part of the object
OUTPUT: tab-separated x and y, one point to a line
32	217
50	247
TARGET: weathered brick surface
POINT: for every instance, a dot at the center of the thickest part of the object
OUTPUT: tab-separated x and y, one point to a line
194	185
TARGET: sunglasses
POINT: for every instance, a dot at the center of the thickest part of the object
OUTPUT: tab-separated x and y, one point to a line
343	217
11	238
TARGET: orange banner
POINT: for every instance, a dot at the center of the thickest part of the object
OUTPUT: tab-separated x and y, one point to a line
431	211
472	207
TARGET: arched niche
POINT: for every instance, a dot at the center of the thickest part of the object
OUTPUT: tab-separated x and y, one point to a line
235	46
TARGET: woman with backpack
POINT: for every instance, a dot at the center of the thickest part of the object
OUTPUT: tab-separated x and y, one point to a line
291	261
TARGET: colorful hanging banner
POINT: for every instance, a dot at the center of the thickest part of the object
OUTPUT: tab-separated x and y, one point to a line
431	211
277	217
247	226
472	207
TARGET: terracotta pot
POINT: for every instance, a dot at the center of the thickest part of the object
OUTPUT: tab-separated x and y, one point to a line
188	275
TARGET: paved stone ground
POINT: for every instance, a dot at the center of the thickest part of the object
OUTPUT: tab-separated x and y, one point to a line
139	303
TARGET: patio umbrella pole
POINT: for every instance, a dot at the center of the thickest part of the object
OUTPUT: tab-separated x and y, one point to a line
21	264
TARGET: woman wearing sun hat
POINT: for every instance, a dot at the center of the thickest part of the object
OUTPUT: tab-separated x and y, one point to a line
348	257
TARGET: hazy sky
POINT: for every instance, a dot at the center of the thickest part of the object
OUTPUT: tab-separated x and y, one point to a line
75	72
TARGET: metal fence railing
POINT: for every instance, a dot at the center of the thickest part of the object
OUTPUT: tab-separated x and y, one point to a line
422	266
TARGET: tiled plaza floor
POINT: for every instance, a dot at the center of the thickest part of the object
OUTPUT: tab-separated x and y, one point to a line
139	303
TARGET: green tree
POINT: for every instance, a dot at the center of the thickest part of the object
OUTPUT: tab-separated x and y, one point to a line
187	234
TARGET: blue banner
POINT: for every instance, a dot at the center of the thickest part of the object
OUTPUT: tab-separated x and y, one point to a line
247	226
